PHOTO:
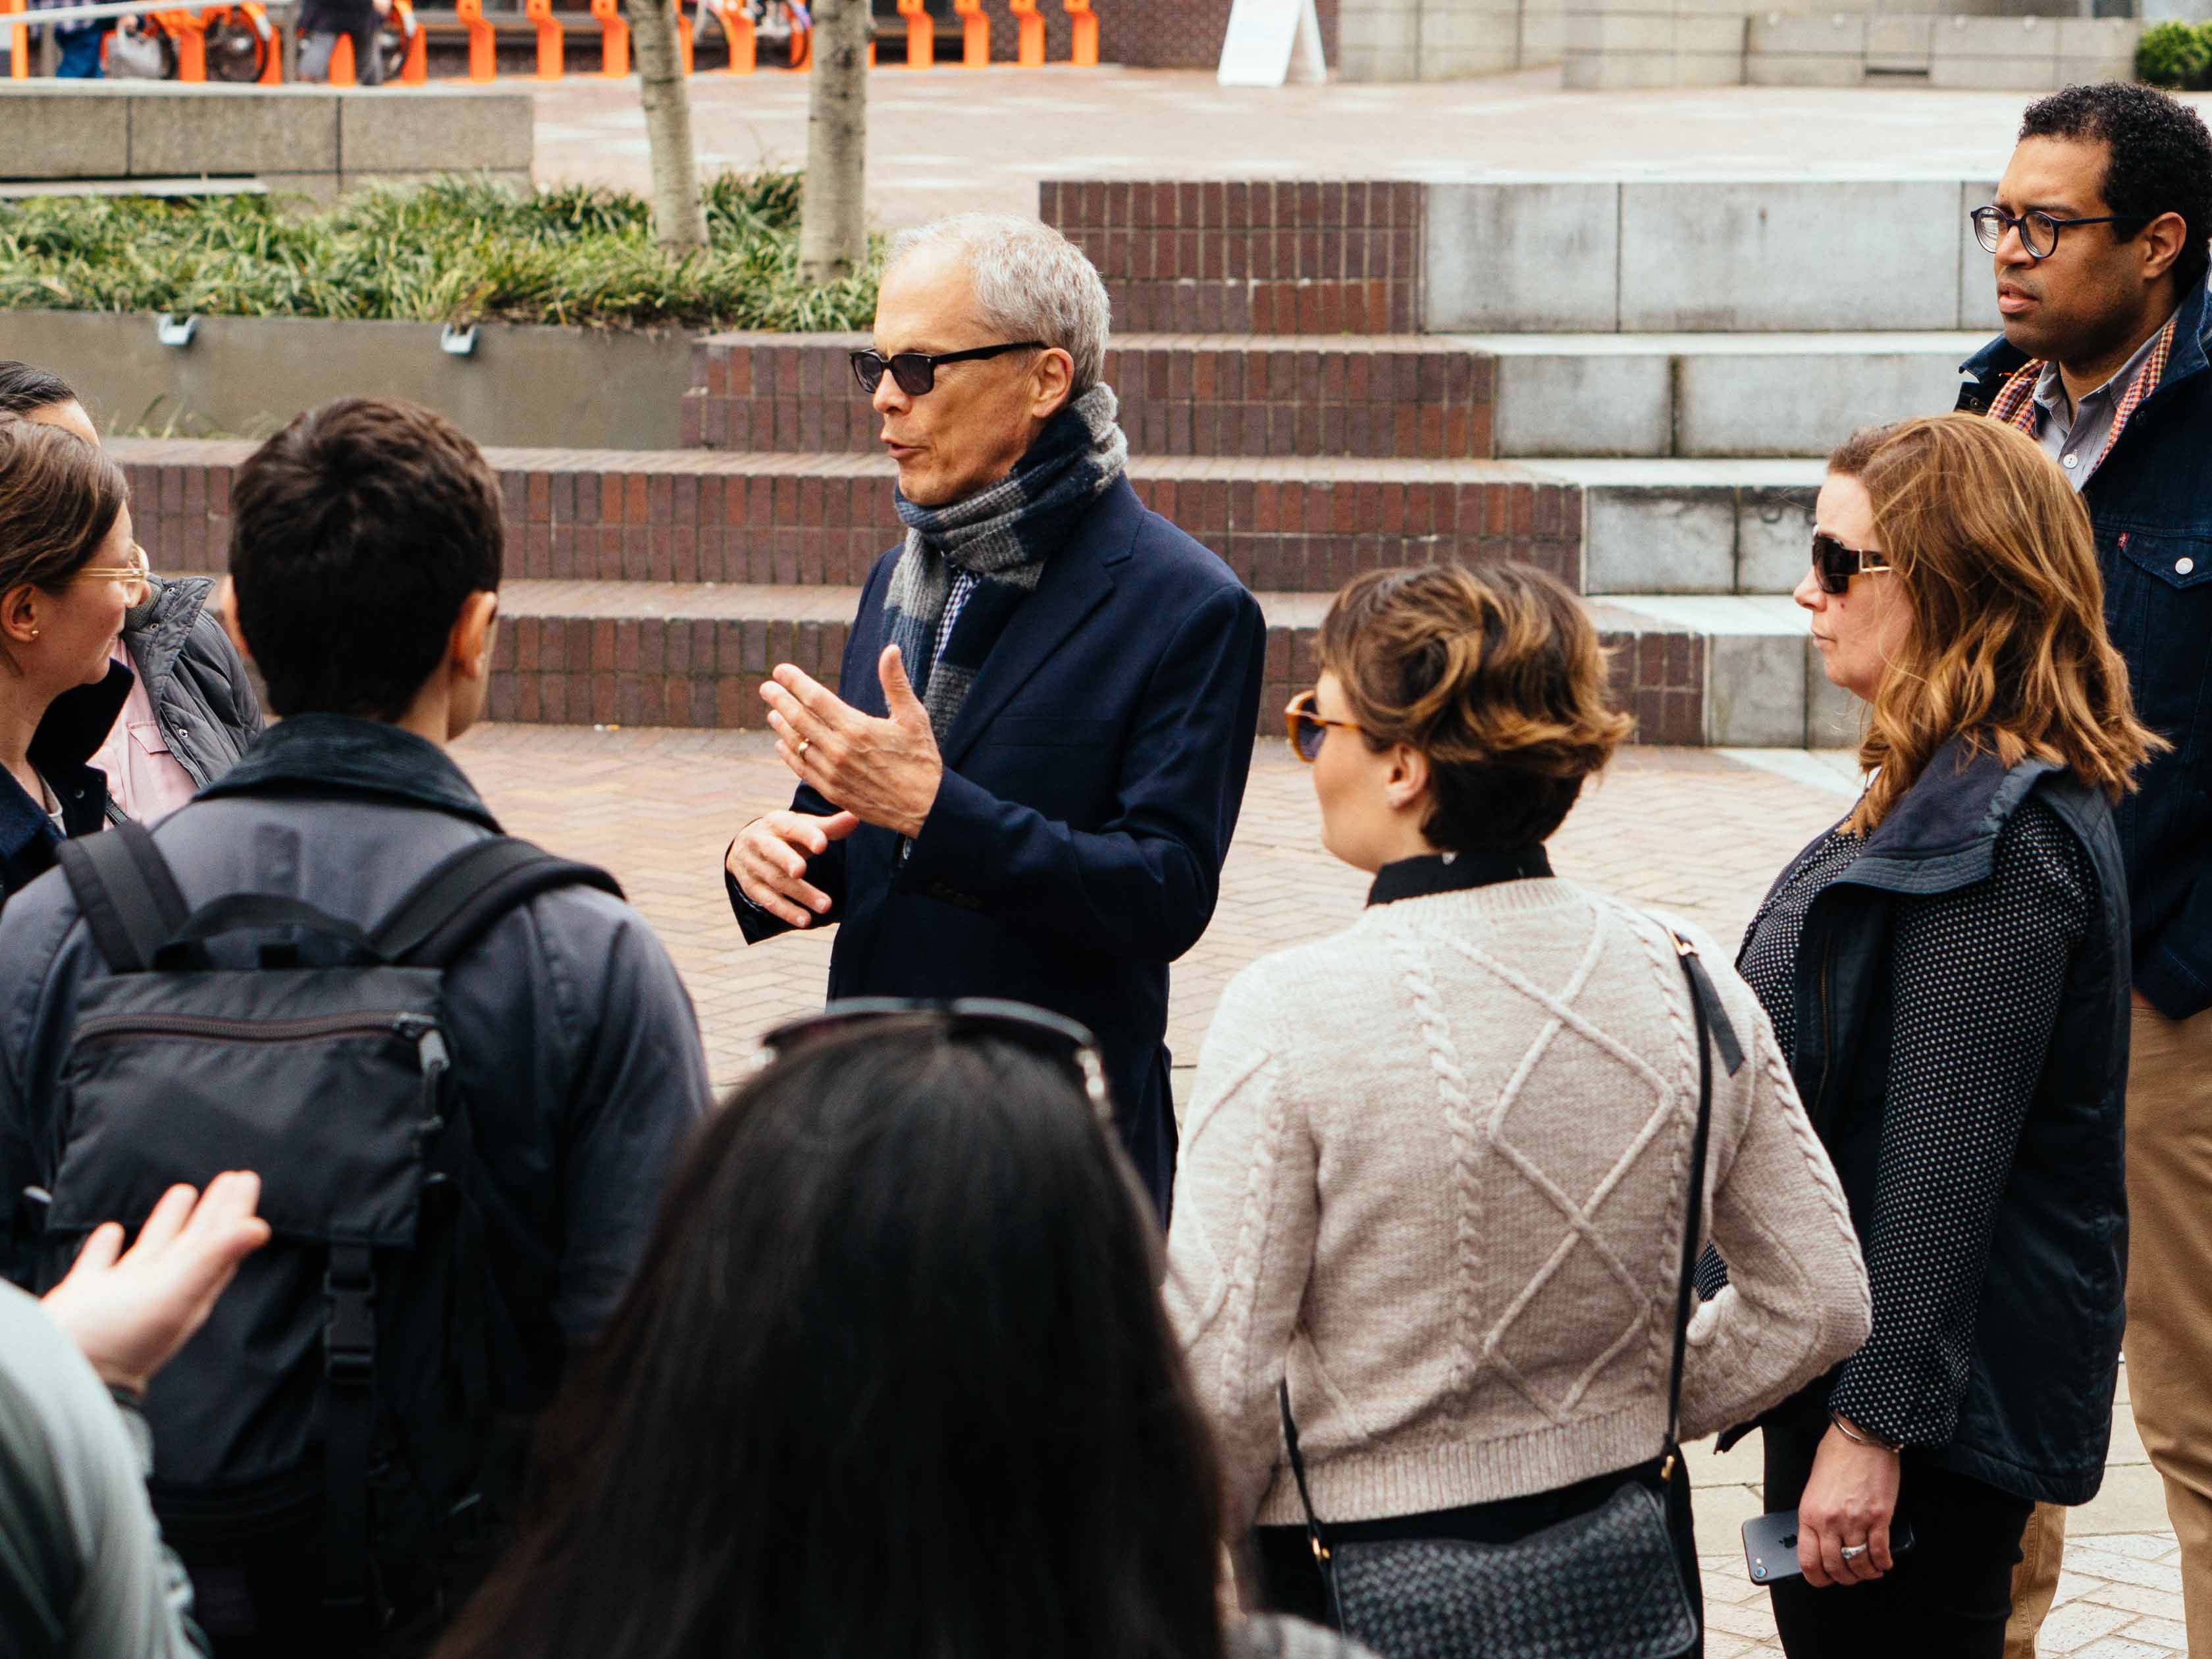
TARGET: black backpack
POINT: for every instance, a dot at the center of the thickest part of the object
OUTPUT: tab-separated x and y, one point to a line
335	1413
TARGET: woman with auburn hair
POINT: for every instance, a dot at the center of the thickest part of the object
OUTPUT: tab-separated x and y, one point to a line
69	573
1437	1173
1947	972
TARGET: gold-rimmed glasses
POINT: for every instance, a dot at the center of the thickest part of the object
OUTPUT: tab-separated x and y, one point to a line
135	576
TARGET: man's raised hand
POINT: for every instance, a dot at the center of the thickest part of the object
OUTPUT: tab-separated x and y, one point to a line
884	772
769	862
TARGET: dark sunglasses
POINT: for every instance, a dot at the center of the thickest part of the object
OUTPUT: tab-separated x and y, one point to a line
1835	564
916	370
1045	1033
1308	727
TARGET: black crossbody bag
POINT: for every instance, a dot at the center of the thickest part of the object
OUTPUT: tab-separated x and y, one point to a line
1604	1584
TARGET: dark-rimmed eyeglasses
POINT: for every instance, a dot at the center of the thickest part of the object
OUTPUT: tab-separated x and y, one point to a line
1834	563
1307	727
915	372
2038	231
1052	1035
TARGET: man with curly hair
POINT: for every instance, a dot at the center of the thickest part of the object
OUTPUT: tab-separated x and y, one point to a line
2098	237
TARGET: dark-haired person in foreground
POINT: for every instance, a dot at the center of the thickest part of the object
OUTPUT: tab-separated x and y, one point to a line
2099	232
894	1379
189	709
366	552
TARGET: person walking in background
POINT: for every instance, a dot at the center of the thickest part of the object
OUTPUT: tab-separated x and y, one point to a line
1026	780
1435	1171
1946	972
69	571
323	23
84	1574
329	1452
192	710
2098	234
80	43
894	1378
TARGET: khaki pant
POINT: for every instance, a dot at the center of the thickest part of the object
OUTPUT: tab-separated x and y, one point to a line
2169	1340
2035	1580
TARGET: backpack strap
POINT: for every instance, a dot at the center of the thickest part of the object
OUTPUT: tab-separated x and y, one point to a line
127	892
449	909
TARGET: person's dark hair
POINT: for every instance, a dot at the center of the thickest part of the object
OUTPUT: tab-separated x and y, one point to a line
2159	158
25	390
58	499
894	1378
356	534
1496	675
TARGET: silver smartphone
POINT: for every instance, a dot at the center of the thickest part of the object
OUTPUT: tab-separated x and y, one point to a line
1770	1546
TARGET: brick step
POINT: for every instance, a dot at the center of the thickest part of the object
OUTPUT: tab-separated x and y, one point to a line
702	515
1307	256
1711	396
1379	395
695	655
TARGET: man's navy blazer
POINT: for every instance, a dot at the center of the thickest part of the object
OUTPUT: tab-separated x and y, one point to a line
1092	782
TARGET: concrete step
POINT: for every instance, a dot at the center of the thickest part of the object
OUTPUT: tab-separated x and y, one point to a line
695	655
703	515
1758	681
1376	397
1711	395
1692	526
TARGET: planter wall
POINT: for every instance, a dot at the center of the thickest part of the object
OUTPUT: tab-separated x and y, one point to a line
524	386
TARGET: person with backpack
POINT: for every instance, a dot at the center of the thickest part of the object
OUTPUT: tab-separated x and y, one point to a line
461	1067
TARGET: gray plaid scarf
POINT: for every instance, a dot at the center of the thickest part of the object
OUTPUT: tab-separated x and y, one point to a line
1002	536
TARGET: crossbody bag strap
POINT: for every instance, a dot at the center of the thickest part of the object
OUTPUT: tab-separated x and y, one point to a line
1713	1031
1316	1539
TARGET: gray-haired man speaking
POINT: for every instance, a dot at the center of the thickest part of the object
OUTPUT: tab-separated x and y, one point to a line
1028	784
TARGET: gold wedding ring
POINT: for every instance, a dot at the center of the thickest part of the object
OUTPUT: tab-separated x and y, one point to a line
803	742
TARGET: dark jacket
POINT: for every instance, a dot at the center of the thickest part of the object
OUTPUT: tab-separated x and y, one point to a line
70	734
572	1039
2036	1417
1091	784
2151	502
199	687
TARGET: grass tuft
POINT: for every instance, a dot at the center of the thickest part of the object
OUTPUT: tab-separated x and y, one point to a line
456	250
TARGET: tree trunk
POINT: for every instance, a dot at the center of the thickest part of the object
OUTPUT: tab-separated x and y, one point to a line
833	225
677	222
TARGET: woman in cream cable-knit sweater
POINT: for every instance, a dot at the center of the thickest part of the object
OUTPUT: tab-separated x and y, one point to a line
1437	1165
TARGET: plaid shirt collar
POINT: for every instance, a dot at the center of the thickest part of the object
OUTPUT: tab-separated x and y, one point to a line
2015	403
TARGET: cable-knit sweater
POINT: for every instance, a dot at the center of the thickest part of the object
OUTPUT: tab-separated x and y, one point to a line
1437	1165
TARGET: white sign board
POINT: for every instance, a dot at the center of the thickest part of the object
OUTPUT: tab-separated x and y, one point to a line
1271	42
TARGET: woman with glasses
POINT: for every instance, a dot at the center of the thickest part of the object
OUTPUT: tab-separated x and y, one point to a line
893	1378
1435	1174
192	712
1947	972
69	573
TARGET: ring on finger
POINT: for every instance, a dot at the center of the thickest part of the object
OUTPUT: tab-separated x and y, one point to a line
1852	1552
804	744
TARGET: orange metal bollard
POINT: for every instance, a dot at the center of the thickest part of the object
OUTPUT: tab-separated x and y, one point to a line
975	33
737	32
614	38
341	60
1083	40
1030	52
683	37
920	34
272	59
19	40
483	44
802	50
188	34
552	40
414	65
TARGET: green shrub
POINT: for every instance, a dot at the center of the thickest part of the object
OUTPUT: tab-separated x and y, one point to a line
2175	55
456	250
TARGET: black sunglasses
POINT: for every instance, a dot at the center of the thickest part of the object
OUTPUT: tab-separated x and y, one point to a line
916	370
1835	564
1050	1034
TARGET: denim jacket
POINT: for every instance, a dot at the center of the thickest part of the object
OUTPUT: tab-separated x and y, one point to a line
2151	502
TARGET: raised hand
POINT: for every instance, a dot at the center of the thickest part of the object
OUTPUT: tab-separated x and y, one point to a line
884	772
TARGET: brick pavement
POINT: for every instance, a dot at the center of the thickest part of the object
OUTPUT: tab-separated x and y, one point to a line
1696	832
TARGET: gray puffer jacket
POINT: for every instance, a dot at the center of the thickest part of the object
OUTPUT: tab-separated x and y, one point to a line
199	687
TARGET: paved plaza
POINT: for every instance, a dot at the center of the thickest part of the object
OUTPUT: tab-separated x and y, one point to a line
1696	832
948	140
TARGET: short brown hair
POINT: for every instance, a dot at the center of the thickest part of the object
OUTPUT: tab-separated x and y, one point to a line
1997	565
356	534
1496	675
59	498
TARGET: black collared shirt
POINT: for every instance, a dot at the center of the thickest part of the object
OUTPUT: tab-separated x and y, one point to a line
1453	873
